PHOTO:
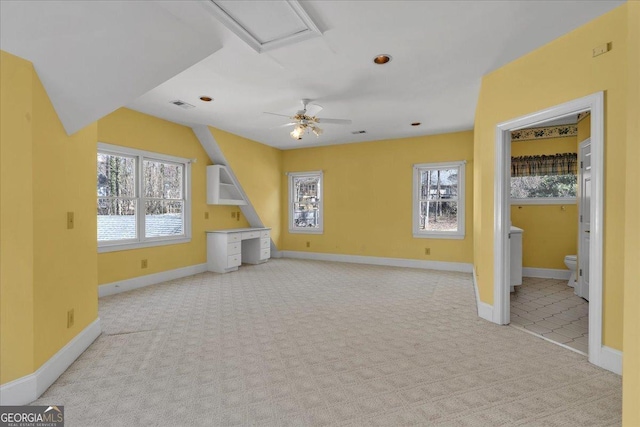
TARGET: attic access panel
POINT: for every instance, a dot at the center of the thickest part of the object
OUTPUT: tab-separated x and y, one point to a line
265	25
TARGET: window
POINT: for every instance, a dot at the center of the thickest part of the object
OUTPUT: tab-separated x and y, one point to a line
544	179
143	199
438	207
305	202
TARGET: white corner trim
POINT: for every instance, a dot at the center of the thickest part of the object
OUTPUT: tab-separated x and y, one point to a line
546	273
150	279
390	262
611	359
28	388
485	311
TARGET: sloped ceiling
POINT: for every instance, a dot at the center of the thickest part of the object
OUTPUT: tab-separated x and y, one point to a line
94	57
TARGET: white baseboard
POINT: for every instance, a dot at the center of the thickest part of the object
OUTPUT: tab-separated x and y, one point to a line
611	359
389	262
546	273
485	311
150	279
28	388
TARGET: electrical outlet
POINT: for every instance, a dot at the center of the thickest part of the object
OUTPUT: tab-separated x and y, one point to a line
206	215
70	318
603	48
233	214
70	221
308	244
427	251
144	264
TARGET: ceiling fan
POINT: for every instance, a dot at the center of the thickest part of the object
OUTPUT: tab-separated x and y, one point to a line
306	119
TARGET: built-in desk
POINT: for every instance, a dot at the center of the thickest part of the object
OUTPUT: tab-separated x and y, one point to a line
227	249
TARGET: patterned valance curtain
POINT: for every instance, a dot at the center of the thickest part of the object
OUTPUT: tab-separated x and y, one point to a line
555	164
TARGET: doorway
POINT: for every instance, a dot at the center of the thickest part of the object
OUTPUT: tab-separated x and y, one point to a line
502	214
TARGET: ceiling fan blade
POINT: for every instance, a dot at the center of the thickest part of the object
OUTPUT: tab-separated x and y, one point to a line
313	109
335	121
284	126
276	114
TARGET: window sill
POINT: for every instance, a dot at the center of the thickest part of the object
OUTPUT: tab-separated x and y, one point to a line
548	201
302	231
438	236
137	245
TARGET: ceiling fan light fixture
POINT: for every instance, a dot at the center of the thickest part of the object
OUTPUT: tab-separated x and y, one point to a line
381	59
316	130
297	132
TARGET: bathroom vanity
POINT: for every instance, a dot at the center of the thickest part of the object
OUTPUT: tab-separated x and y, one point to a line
515	242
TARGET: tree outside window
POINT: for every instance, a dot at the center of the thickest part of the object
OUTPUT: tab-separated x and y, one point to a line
305	202
439	200
131	182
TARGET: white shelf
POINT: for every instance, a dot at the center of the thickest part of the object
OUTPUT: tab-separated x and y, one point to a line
221	188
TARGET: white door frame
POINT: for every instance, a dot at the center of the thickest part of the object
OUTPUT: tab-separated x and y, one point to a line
502	214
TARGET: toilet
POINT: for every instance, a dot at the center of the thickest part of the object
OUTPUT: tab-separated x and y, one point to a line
571	261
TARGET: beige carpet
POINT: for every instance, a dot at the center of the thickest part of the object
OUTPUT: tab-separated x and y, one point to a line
302	343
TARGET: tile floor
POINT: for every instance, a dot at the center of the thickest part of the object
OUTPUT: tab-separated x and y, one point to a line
548	307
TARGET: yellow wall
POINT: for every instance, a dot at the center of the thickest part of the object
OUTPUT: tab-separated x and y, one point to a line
631	361
46	268
16	218
258	169
584	129
559	72
368	197
550	231
544	146
65	262
129	128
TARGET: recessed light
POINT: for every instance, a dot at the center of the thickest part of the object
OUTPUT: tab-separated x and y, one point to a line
416	124
206	99
382	59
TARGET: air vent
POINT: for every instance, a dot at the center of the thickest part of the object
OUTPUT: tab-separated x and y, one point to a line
183	104
357	132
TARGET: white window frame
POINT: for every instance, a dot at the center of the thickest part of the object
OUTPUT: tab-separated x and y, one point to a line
543	200
305	230
141	241
431	234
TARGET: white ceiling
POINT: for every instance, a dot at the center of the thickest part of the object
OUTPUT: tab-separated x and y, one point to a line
96	56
